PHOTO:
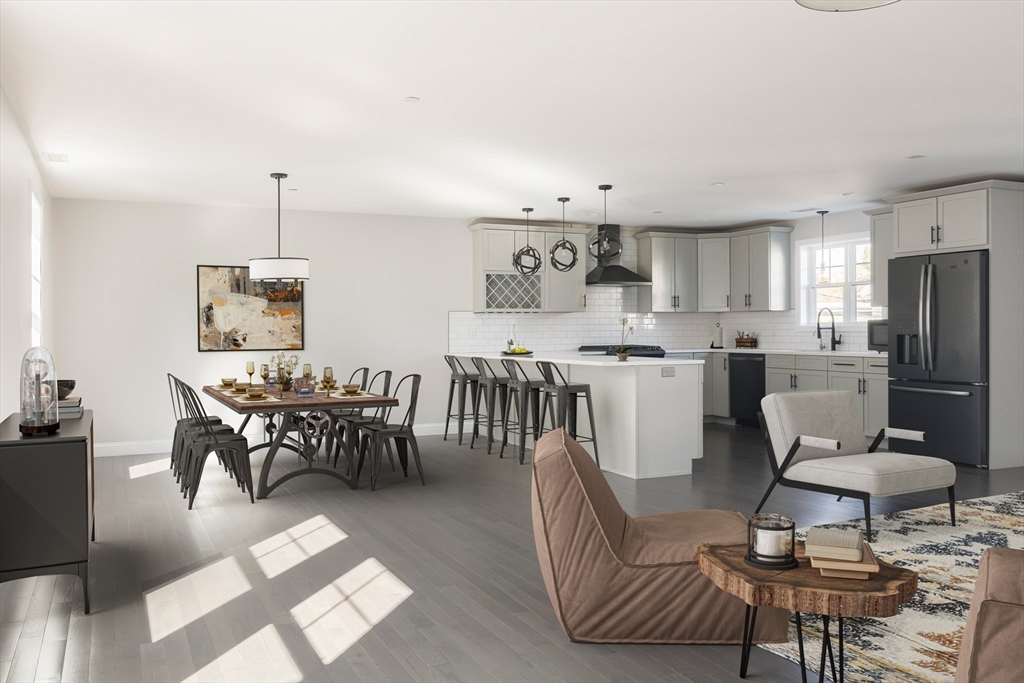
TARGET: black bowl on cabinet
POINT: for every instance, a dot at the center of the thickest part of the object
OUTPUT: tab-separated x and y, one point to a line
64	388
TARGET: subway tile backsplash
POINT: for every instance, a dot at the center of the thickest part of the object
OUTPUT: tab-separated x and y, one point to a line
482	332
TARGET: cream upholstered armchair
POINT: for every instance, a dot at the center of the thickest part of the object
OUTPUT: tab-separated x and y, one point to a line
613	578
815	442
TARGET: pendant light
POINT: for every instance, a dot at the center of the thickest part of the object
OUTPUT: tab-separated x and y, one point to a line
822	276
843	5
527	260
278	267
563	252
605	245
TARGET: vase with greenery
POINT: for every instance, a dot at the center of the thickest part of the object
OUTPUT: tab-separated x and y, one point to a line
285	367
622	351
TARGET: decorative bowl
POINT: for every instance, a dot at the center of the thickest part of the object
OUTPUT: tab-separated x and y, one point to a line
350	388
254	392
64	388
227	381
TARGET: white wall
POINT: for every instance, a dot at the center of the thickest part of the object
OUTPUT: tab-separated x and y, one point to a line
19	176
379	294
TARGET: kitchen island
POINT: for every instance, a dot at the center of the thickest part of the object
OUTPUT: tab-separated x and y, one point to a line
648	411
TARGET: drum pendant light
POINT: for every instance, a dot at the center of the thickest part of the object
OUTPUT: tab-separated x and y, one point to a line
822	275
527	260
278	267
563	252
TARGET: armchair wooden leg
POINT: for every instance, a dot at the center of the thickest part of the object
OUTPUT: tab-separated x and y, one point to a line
952	506
867	516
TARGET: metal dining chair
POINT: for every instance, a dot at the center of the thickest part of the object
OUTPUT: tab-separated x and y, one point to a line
524	394
182	425
376	434
460	380
349	424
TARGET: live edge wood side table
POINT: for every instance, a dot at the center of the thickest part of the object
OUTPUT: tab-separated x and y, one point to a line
46	501
804	589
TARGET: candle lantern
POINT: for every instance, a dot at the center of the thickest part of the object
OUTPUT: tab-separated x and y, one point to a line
771	542
38	393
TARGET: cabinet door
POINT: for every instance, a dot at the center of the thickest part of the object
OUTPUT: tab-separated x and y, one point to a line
963	220
663	268
739	272
876	404
499	246
709	384
811	380
686	273
760	272
777	381
852	382
713	274
563	292
881	252
720	375
537	241
914	225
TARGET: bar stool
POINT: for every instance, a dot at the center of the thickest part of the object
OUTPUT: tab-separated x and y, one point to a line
460	379
524	393
566	395
493	391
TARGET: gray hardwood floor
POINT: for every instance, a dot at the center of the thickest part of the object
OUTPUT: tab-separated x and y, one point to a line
321	583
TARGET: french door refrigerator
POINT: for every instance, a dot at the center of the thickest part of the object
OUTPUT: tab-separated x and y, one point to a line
938	354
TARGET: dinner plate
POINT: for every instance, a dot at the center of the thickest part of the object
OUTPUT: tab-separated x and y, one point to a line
251	399
342	394
225	387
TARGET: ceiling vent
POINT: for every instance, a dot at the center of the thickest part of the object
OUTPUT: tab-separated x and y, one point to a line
57	158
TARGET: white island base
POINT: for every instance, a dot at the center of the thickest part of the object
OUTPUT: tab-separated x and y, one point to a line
648	411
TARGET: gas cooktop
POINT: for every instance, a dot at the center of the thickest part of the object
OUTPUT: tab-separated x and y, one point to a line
638	350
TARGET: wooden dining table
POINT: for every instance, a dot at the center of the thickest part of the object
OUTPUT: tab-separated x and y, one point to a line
312	418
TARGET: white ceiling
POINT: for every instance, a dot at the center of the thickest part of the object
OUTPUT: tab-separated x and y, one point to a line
521	102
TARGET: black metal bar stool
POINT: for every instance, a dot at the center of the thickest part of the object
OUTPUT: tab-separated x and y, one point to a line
566	395
493	391
460	380
524	393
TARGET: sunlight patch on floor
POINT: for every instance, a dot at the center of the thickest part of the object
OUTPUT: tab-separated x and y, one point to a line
179	603
289	548
136	471
262	656
337	616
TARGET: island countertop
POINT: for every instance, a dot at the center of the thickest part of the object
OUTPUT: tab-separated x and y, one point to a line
576	358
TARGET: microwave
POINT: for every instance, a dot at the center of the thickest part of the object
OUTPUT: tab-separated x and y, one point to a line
878	335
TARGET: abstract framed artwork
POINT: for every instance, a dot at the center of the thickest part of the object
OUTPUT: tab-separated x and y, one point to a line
237	314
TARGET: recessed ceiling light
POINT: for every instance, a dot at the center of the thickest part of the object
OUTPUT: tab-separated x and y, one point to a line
916	156
58	158
847	194
594	214
412	99
657	212
706	220
293	189
717	184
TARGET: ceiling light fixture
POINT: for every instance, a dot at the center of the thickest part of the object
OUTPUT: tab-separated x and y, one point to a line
527	260
916	156
843	5
605	245
847	194
57	158
657	212
563	252
293	189
717	184
277	267
411	99
822	276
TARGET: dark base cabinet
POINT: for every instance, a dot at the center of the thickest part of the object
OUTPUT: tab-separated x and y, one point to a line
46	501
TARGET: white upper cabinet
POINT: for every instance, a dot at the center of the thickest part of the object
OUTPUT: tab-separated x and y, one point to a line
564	291
498	248
881	252
759	270
713	274
670	263
951	222
739	273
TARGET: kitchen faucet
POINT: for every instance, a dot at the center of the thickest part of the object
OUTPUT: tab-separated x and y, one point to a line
835	342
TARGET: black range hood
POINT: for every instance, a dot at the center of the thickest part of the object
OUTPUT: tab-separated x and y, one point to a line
606	248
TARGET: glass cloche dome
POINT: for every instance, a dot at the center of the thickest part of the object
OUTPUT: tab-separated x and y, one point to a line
38	393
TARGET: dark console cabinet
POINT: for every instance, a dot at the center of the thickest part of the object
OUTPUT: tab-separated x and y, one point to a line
46	501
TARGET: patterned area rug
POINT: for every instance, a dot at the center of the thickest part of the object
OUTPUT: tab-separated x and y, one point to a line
922	642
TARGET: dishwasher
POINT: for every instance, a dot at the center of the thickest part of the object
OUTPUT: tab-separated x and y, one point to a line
746	387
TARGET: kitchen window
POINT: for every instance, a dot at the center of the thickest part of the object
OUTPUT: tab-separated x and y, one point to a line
837	277
37	271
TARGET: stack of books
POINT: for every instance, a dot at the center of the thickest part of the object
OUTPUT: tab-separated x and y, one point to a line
840	553
69	408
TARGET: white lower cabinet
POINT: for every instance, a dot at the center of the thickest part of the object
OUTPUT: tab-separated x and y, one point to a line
777	381
852	382
810	380
709	384
876	404
720	379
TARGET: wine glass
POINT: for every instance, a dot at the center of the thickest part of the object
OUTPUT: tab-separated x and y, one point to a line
280	379
250	368
265	373
328	378
307	370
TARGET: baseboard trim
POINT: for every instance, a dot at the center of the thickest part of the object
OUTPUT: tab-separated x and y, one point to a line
118	448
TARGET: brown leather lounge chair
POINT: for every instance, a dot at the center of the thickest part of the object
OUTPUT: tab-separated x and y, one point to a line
991	648
615	579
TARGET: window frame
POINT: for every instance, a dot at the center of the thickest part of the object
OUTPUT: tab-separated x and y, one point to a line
806	309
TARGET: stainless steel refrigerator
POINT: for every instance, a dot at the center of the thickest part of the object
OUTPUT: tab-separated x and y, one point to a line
938	354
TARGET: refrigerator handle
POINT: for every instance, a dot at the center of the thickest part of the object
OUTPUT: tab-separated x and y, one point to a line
929	288
921	331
